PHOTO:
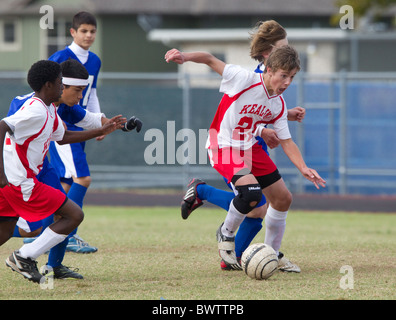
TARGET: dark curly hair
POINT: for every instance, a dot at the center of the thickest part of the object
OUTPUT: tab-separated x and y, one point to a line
41	72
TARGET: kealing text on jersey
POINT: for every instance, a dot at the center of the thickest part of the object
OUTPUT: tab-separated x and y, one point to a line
200	309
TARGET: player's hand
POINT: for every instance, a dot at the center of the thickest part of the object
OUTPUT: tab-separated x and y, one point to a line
314	177
270	138
296	114
175	56
133	123
113	124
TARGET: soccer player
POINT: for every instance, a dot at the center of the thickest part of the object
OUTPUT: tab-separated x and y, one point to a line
264	38
75	79
251	100
24	142
70	160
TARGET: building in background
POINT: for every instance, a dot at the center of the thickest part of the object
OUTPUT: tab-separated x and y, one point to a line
134	34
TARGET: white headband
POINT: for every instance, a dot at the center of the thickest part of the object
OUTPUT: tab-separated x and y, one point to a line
74	81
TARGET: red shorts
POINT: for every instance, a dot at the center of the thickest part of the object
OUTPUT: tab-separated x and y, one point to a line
229	161
43	202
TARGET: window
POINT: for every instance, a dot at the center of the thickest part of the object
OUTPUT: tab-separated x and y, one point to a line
59	37
10	35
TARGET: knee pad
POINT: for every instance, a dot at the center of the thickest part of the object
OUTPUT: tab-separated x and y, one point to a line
247	194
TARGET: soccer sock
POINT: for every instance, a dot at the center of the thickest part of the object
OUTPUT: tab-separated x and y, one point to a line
275	225
57	253
232	221
216	196
77	193
246	233
42	244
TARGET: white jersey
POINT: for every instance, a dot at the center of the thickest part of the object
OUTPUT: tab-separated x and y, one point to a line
34	125
244	109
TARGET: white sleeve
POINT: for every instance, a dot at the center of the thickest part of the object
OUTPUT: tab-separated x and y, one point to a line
93	102
91	120
59	132
281	127
26	122
236	79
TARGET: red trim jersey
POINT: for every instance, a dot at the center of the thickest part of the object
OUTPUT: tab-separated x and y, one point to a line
34	125
244	109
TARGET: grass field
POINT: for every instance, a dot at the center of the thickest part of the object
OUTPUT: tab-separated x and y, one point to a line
151	253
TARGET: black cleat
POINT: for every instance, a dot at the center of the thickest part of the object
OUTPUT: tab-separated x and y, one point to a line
61	272
25	266
191	201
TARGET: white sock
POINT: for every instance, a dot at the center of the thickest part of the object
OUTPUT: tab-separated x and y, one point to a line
275	225
232	221
42	244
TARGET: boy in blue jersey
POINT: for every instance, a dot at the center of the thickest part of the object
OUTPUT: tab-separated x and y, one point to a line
75	80
264	38
70	161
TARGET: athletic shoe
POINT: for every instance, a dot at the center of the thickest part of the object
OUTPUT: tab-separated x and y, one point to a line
191	201
226	247
78	245
286	265
25	266
228	267
60	272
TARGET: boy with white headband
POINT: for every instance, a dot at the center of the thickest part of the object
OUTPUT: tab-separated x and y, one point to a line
70	161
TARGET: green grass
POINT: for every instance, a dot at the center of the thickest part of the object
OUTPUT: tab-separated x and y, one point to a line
151	253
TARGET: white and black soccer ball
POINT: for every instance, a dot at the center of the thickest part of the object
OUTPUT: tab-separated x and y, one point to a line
259	261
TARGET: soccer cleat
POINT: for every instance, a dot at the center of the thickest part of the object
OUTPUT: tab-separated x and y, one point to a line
286	265
228	267
191	201
60	272
78	245
25	266
226	246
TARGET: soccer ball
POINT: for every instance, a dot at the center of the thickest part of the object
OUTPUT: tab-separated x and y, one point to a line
259	261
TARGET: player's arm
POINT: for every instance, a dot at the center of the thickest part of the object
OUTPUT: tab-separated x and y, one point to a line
115	123
198	57
4	128
294	154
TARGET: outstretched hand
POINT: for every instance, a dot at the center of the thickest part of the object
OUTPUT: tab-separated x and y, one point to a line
314	177
175	56
117	122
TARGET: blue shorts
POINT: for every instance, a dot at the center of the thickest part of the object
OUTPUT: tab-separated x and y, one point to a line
69	160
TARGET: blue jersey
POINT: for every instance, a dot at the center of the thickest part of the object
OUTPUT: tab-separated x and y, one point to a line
92	65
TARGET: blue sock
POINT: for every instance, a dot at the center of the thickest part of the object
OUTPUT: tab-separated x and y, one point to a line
216	196
57	253
77	193
246	233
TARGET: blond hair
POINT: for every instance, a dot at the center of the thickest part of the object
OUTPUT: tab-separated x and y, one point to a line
284	58
263	38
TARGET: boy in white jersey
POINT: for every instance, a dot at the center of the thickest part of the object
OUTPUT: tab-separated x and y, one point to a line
30	130
250	101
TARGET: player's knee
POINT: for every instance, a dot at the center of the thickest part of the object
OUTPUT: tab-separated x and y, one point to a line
248	197
283	201
84	181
